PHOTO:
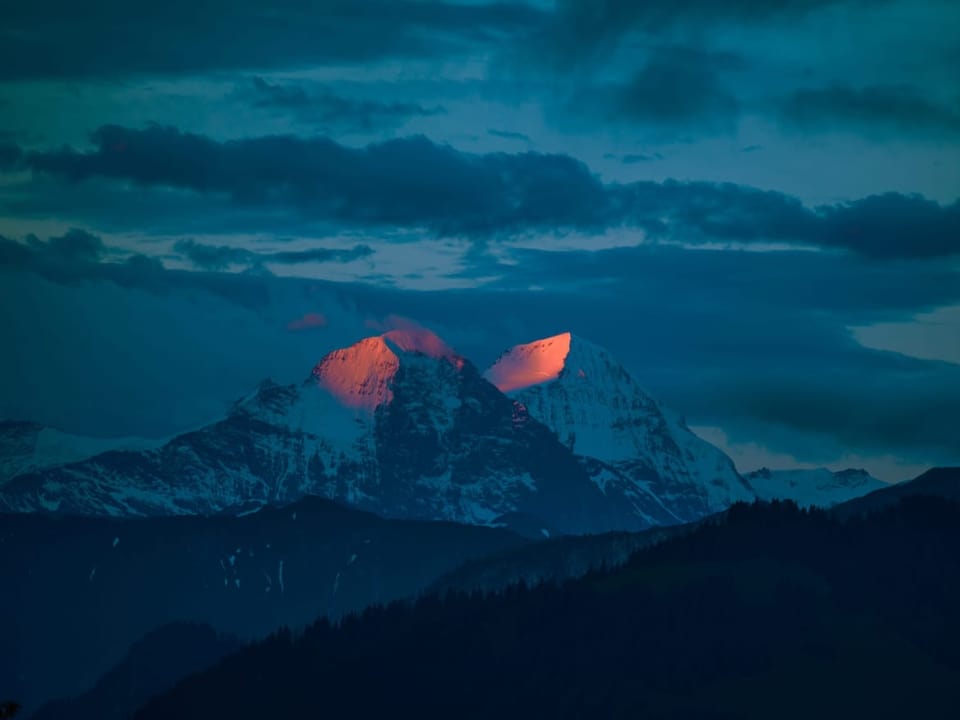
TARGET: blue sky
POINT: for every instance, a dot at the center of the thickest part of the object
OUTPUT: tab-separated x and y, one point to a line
753	204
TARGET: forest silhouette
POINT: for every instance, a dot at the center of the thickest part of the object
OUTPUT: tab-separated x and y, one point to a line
766	611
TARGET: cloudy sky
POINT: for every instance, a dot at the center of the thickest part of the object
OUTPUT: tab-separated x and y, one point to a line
754	204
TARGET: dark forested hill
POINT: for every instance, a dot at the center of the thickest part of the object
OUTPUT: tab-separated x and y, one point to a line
941	482
767	612
553	560
78	592
153	664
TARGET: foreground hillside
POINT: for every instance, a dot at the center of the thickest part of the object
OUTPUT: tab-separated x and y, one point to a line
769	612
78	592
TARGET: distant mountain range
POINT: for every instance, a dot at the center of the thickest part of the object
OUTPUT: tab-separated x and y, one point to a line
555	437
820	486
27	447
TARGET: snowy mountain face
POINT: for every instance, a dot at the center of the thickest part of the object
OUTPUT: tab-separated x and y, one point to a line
820	486
396	424
628	443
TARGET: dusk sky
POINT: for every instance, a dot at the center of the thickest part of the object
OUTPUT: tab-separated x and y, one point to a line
753	204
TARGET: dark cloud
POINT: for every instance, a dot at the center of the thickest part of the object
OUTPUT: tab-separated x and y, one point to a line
582	29
414	183
674	94
880	111
76	256
79	256
10	155
846	288
15	254
273	95
509	135
119	206
321	106
751	148
406	182
696	212
292	257
75	246
114	38
633	159
220	257
213	257
893	225
676	89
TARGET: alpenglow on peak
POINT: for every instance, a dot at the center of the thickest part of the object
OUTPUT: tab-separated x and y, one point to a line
530	364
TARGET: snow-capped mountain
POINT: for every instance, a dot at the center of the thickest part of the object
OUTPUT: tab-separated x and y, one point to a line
819	486
397	424
401	425
625	439
28	446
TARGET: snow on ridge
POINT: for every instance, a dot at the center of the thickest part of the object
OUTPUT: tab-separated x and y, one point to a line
813	486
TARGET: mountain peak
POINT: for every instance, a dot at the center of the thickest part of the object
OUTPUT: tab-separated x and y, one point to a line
360	376
598	410
532	363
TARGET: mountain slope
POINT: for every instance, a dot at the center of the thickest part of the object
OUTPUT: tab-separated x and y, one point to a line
555	560
820	487
628	442
78	591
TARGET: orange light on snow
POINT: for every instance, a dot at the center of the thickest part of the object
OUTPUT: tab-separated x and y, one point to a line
359	376
531	364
